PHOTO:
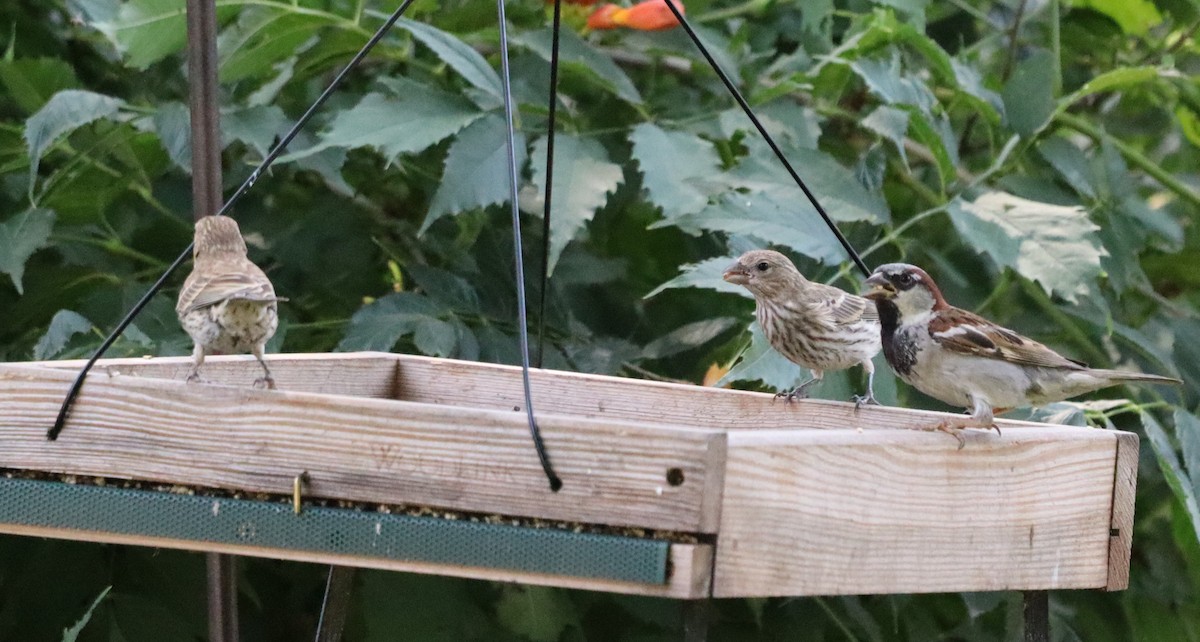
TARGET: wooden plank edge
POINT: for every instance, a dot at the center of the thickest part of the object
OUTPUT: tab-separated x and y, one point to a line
1120	541
691	564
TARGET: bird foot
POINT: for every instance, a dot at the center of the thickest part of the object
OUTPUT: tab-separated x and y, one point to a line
267	383
955	428
196	378
865	400
789	397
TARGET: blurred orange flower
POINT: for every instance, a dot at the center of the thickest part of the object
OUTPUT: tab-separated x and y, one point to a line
649	15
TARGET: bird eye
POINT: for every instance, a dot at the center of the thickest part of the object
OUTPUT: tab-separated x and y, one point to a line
905	279
762	266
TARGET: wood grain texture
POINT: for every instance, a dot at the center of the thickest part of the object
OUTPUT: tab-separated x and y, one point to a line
689	581
1120	543
363	374
360	449
842	512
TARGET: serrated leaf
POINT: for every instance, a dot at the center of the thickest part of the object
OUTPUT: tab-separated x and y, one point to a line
261	38
459	55
885	79
890	123
1070	162
970	80
173	124
65	111
477	170
64	325
538	613
675	167
380	325
1168	462
705	274
936	135
444	287
256	126
1135	17
146	31
760	362
1029	94
764	218
583	179
415	118
577	55
687	337
1054	245
837	190
21	236
31	82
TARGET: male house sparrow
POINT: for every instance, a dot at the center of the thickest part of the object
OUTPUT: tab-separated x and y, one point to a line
965	360
227	304
814	325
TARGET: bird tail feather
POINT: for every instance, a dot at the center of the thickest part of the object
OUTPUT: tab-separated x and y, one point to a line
1125	375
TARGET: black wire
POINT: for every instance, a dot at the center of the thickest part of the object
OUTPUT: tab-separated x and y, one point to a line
549	180
770	141
52	434
519	264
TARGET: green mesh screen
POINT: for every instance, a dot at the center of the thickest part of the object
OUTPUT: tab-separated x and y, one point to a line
332	530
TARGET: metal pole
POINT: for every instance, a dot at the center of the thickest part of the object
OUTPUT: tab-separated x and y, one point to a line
206	199
336	605
1037	616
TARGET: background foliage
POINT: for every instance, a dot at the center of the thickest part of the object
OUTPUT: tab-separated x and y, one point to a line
1037	156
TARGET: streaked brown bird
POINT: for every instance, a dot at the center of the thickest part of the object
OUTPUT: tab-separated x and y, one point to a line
227	304
965	360
814	325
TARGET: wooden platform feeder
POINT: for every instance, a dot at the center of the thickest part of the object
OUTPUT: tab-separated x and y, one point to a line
669	490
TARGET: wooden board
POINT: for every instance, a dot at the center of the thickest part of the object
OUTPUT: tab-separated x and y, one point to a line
1120	542
843	512
361	449
691	563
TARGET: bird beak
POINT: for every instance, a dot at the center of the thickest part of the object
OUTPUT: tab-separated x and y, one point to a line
880	288
736	274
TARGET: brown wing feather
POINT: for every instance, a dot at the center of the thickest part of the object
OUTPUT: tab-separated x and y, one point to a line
842	307
969	333
222	281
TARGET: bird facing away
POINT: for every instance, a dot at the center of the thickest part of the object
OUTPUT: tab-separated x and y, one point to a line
814	325
965	360
227	304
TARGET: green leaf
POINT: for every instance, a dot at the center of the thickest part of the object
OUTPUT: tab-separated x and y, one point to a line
705	274
146	31
31	82
1070	162
1187	431
687	337
936	134
263	37
760	362
477	170
64	325
890	123
1168	462
66	111
256	126
173	124
1029	94
970	80
435	337
677	168
380	325
538	613
1108	81
1054	245
576	55
1135	17
460	56
417	117
885	80
583	179
72	634
21	236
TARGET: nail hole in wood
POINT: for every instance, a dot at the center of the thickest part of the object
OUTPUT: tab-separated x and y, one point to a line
675	476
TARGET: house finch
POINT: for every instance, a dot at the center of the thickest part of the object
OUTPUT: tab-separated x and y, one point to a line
965	360
814	325
227	304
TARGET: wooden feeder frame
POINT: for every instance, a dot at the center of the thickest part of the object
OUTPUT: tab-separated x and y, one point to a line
731	493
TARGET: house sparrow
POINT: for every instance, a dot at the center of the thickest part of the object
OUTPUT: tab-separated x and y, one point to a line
227	304
814	325
965	360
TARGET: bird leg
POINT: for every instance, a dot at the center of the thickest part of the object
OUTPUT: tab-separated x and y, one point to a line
982	417
801	391
197	361
267	380
869	398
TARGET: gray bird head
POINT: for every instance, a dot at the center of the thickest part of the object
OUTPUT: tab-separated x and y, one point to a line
765	273
908	287
218	235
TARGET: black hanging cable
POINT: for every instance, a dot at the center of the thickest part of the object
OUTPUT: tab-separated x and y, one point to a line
553	111
73	392
770	141
519	264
